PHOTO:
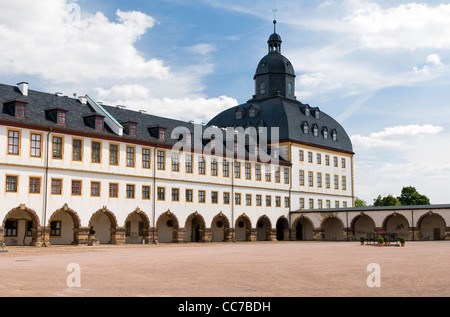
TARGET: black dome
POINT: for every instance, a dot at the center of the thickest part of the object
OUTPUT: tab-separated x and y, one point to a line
274	63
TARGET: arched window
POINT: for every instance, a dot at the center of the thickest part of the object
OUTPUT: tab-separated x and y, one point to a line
289	89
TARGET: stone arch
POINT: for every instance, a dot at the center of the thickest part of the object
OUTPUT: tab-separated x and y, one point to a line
397	223
361	225
332	228
303	229
220	228
167	228
24	235
67	231
137	227
195	227
432	226
282	227
243	228
263	229
104	223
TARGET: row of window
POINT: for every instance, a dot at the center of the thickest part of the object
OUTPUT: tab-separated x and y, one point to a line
320	204
113	192
320	180
310	158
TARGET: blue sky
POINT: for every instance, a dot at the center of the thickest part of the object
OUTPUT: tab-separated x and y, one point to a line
381	68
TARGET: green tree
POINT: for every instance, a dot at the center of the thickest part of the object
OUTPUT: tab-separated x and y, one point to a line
360	202
410	196
388	200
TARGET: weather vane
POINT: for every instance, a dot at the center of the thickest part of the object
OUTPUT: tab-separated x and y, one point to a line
274	10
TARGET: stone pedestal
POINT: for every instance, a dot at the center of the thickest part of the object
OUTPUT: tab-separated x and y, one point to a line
92	240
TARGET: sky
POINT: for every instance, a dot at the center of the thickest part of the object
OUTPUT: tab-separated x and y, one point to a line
380	68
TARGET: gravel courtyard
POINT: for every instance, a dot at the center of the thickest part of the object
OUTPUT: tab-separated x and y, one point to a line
243	269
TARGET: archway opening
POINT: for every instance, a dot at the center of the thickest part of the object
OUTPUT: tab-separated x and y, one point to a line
332	229
20	227
167	228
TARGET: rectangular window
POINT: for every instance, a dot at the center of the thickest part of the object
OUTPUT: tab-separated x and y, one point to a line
286	202
113	154
96	152
311	203
127	228
237	169
77	150
175	162
257	172
95	189
55	228
113	190
319	158
327	160
336	182
20	111
310	179
214	197
335	161
319	203
300	155
268	200
344	204
258	200
145	158
336	204
268	176
327	180
201	165
161	160
343	162
130	191
226	198
11	184
188	163
189	195
36	145
277	175
226	168
277	201
130	156
248	199
35	185
248	170
319	180
57	147
161	193
201	196
328	204
145	192
11	228
237	198
214	167
61	118
286	175
302	203
98	123
175	194
310	157
301	176
76	188
344	183
56	186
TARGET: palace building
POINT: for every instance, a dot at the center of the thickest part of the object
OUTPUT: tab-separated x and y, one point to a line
74	166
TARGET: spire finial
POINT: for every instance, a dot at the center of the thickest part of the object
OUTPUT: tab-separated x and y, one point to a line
274	10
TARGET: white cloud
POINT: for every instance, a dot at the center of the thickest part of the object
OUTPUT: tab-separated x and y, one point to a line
202	49
393	136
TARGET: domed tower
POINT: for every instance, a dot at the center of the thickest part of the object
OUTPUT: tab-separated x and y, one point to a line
275	74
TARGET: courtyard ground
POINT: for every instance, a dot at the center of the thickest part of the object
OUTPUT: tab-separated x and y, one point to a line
242	269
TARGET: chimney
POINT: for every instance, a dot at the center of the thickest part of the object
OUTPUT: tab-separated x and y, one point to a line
23	87
83	99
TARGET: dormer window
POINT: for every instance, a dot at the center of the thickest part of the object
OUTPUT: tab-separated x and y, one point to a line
325	133
334	135
305	128
162	134
252	112
316	130
317	113
307	111
98	123
61	118
130	127
240	113
20	110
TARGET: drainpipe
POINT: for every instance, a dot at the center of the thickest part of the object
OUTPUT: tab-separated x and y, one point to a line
45	185
290	192
412	223
232	201
154	192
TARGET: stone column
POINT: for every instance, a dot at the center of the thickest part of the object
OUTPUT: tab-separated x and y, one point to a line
118	235
179	235
207	235
82	236
253	235
40	236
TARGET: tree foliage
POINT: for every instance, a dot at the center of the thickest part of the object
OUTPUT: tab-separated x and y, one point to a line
410	196
360	202
388	200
